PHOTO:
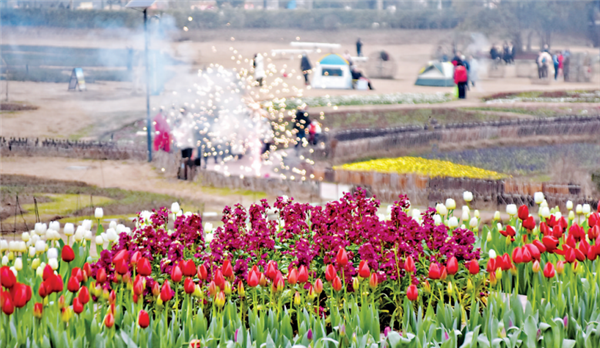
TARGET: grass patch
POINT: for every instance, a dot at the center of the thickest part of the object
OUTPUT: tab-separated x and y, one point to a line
61	205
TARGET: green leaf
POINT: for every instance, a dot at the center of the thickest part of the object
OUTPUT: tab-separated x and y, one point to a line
568	343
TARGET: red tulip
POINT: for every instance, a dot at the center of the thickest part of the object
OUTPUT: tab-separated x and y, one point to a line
560	267
529	223
143	319
434	271
549	270
73	285
137	256
533	251
330	273
202	272
452	266
144	267
101	275
563	223
569	254
517	255
491	266
38	309
473	266
293	277
253	279
189	286
594	232
540	246
219	279
7	277
84	295
271	271
412	293
318	286
20	295
212	288
109	320
138	285
576	232
302	275
544	229
155	289
77	305
121	256
112	297
7	306
342	257
557	231
550	242
177	274
363	269
262	280
593	219
56	283
227	269
526	255
67	254
373	281
580	256
78	273
87	269
44	291
409	265
278	283
337	283
523	212
165	292
189	268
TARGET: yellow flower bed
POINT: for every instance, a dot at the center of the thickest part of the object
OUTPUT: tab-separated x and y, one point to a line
421	166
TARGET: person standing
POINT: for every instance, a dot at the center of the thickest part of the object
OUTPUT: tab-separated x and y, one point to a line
305	67
259	69
359	45
473	74
561	66
468	67
556	64
456	59
461	78
301	123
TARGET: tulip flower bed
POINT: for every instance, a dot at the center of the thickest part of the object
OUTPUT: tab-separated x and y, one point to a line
296	275
422	166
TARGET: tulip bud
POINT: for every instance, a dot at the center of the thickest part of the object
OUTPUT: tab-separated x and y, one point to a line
453	222
437	220
586	209
426	287
220	299
511	209
355	284
579	209
227	288
38	309
241	290
497	216
469	285
18	264
489	236
499	273
198	292
465	216
99	213
441	209
66	314
569	205
297	299
536	266
538	197
53	263
450	204
450	289
467	196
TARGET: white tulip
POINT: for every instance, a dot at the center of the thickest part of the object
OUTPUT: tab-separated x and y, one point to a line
545	212
467	196
437	219
50	234
441	209
146	215
3	245
120	228
492	254
453	222
25	236
586	209
511	209
571	215
112	224
208	238
22	247
40	246
465	215
569	205
544	203
175	208
208	227
40	270
579	209
538	197
55	225
87	224
99	213
99	240
12	245
5	260
473	223
104	237
69	229
52	253
499	225
462	227
450	204
40	228
416	214
34	239
18	264
476	214
79	234
497	216
35	263
53	263
111	235
87	235
31	251
558	215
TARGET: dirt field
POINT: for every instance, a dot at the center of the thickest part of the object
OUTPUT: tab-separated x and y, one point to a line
106	106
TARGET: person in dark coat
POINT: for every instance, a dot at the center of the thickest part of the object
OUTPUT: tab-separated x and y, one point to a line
301	123
305	67
493	52
359	45
456	59
461	79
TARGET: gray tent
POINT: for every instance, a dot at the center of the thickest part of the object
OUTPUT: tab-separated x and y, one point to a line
436	74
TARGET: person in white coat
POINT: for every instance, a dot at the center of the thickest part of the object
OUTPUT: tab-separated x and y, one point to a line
259	68
473	70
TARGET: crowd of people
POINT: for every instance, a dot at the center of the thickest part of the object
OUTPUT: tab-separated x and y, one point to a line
559	61
505	53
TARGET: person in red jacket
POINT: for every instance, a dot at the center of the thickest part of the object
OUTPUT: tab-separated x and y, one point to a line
461	80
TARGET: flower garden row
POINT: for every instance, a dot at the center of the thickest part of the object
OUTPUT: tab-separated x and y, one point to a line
297	275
